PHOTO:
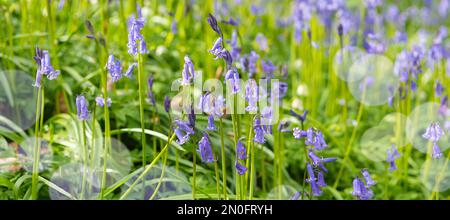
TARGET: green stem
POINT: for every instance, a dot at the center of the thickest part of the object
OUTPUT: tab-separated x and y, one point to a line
37	146
147	169
85	161
224	168
352	138
194	171
163	169
141	106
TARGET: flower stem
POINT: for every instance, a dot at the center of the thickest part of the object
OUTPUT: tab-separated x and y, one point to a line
85	161
224	168
37	146
194	171
147	169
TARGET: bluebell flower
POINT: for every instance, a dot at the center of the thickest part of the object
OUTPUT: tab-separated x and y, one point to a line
205	150
182	136
211	126
42	58
374	44
321	180
356	187
392	155
298	133
167	104
367	177
301	118
262	42
268	68
241	169
251	95
251	60
241	151
188	71
150	93
130	70
185	126
82	108
114	68
282	88
143	47
259	132
266	119
135	38
320	143
101	101
436	154
312	181
302	13
433	132
283	126
439	89
217	47
219	106
192	117
373	3
174	27
235	50
212	21
232	76
310	137
296	196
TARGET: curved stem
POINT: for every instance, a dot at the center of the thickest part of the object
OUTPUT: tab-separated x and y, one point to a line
147	169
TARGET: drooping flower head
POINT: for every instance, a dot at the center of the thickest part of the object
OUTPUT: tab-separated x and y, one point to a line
114	68
167	104
130	70
82	108
392	155
312	181
433	132
269	69
45	67
367	177
241	151
251	95
101	101
259	132
205	150
232	77
212	21
211	126
188	71
150	94
436	154
241	169
183	131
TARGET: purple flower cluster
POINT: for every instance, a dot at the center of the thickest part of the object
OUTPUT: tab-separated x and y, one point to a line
45	67
183	131
434	134
114	68
136	43
362	190
101	101
312	137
